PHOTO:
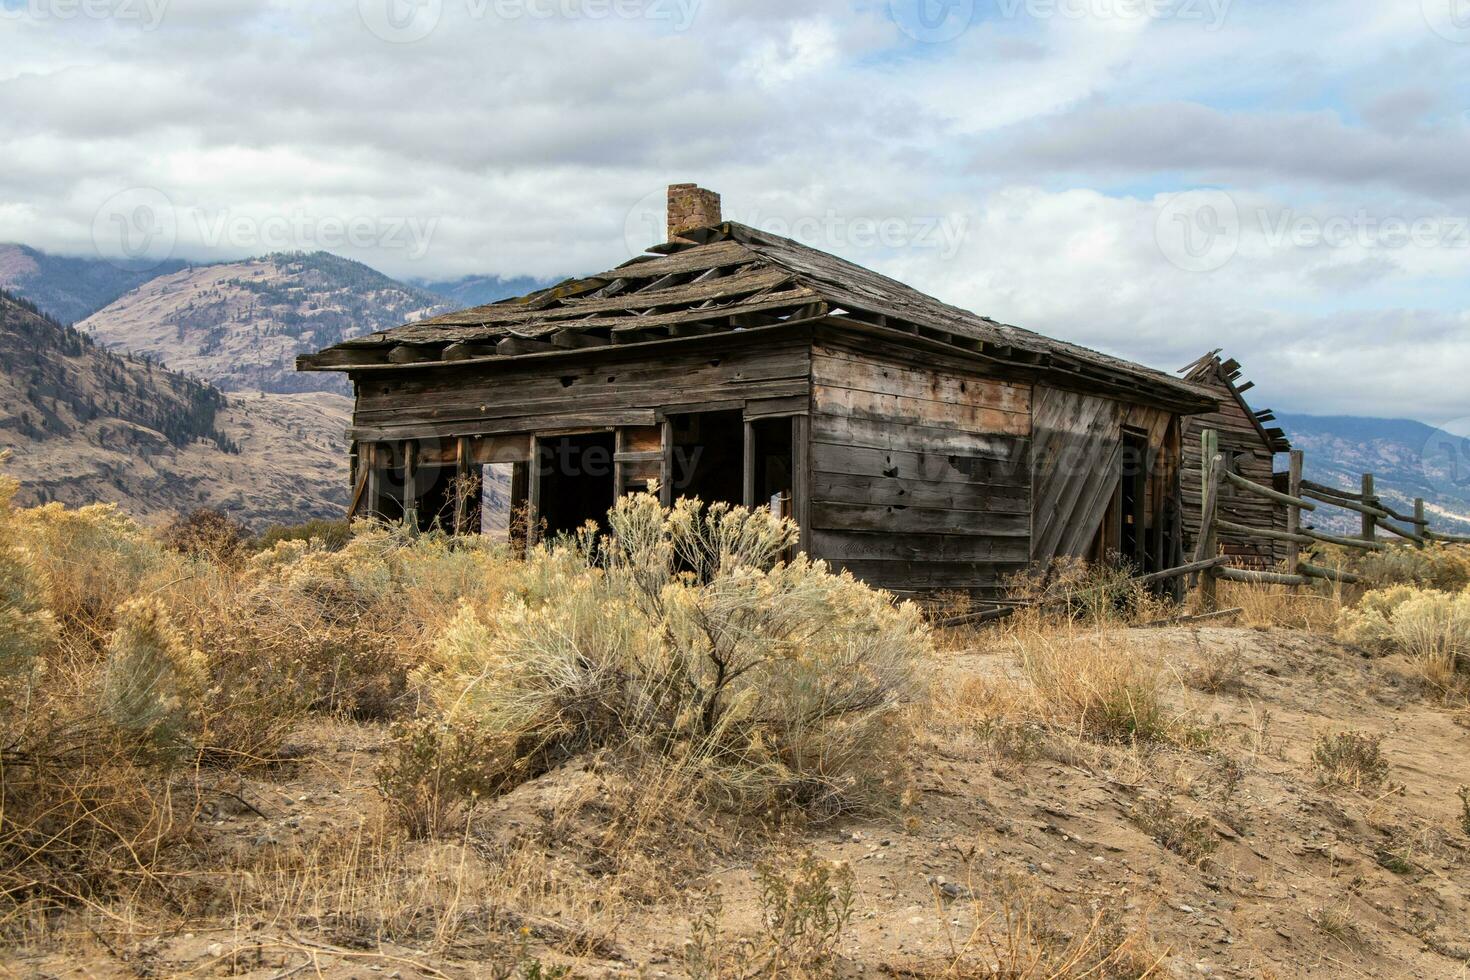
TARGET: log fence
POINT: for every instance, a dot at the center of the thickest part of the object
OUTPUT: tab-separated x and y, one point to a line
1301	496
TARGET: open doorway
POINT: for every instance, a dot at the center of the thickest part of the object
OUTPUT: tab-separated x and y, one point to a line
576	481
1133	494
771	459
708	456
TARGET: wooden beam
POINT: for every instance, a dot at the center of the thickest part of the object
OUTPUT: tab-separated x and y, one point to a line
1257	578
411	484
1281	498
1330	574
748	465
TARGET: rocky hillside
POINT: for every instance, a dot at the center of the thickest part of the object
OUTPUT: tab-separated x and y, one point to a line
240	325
71	289
1408	459
87	425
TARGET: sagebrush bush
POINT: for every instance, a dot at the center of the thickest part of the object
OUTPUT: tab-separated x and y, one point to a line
209	533
683	632
1440	566
152	684
26	625
1089	592
1352	759
91	560
1429	626
329	534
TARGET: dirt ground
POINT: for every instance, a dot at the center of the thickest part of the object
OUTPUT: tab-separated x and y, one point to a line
1225	851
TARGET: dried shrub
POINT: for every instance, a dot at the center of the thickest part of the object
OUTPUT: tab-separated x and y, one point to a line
435	773
330	535
806	905
206	533
1464	794
1439	566
1099	593
1351	759
152	684
683	633
1431	628
27	627
91	560
1088	684
1189	836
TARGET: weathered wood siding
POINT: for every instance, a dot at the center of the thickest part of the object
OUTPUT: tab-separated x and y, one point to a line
1077	457
598	392
1253	459
920	476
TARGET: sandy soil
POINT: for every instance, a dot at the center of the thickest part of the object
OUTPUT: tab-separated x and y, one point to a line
1303	881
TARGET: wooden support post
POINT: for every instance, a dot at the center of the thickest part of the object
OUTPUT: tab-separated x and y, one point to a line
1294	513
1421	523
748	466
1209	538
533	494
372	498
801	479
411	484
464	486
1370	521
666	468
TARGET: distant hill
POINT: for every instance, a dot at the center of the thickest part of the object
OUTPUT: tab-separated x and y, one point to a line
87	425
71	289
240	325
479	290
1407	459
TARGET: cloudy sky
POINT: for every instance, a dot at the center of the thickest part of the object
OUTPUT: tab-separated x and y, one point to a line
1154	178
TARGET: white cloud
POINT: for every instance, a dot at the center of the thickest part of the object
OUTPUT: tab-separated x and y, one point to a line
1045	145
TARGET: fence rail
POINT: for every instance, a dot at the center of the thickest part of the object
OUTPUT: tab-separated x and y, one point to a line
1301	496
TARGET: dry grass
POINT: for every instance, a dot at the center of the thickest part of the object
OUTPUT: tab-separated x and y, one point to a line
1430	627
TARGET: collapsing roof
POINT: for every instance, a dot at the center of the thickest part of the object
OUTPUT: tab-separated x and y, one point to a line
1211	370
724	278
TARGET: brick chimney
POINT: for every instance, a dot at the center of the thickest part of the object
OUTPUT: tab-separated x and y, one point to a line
691	207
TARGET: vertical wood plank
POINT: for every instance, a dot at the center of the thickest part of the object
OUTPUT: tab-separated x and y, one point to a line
1370	524
373	497
1214	465
1421	523
749	464
411	484
801	479
533	494
461	484
620	446
666	467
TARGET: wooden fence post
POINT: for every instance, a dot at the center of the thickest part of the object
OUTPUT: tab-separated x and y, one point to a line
1294	513
1209	542
1370	523
411	484
1421	523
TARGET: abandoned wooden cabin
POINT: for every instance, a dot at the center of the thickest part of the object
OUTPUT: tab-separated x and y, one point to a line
1249	449
918	445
